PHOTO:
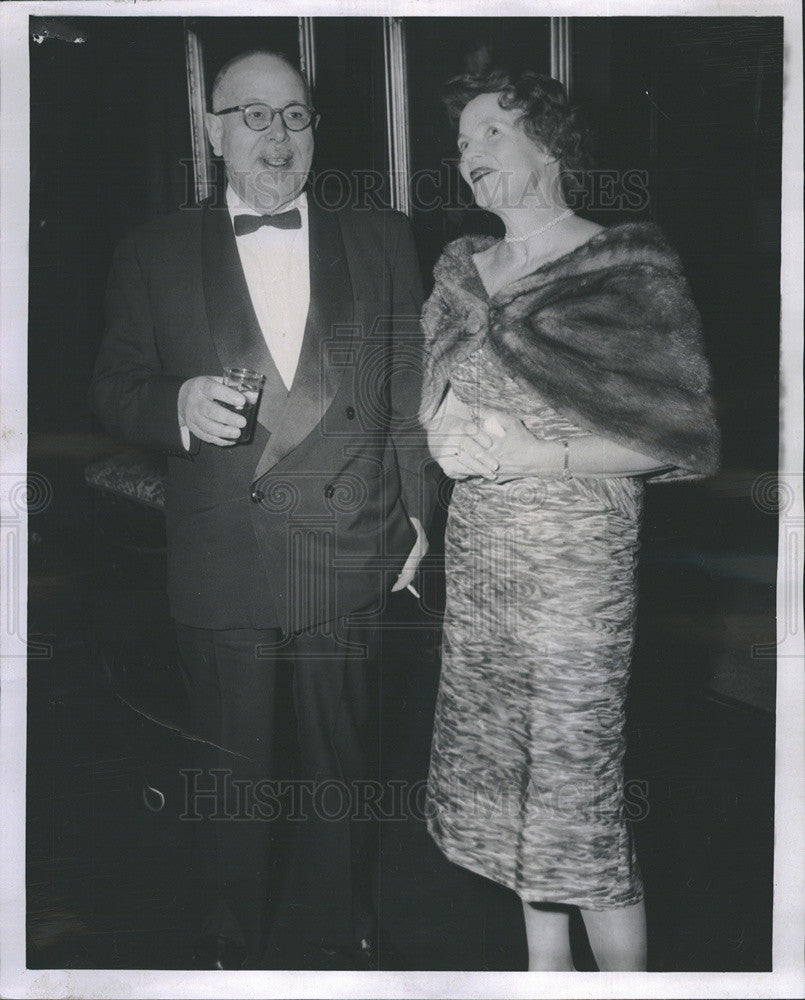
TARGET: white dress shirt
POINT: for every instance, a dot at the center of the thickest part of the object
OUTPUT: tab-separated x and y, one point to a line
276	264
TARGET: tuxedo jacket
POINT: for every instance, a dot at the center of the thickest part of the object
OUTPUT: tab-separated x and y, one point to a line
311	520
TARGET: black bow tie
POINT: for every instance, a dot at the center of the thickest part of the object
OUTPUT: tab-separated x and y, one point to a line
245	224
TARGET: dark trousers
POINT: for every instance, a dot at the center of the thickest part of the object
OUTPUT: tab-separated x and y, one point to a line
232	680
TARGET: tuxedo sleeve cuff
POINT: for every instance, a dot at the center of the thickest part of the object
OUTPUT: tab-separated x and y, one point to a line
420	490
190	442
163	430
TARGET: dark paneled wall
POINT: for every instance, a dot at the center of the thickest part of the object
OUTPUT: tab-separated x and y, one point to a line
110	144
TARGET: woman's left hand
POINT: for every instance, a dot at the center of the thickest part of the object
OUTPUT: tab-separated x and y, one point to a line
514	446
519	453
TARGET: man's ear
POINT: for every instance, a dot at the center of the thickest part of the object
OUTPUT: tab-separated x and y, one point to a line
215	129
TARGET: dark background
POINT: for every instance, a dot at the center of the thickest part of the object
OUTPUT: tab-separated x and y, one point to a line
696	104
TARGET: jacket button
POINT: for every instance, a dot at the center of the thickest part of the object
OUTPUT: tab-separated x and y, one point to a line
350	413
329	491
257	496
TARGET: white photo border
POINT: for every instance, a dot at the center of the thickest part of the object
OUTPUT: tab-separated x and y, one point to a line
788	977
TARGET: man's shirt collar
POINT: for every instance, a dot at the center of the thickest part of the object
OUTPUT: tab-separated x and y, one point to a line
238	207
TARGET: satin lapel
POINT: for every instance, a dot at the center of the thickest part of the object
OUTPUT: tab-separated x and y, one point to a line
331	314
233	324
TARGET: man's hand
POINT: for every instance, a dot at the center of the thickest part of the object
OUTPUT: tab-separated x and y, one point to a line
201	412
415	557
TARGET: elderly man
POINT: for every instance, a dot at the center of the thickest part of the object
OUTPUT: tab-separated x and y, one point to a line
281	551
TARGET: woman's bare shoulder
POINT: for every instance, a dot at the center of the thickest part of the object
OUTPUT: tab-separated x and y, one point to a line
580	232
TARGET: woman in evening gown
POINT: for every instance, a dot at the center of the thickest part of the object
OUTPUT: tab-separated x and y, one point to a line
564	368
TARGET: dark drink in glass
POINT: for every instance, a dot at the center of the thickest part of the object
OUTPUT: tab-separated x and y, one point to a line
250	384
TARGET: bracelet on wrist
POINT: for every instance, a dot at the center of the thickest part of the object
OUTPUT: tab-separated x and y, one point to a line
566	474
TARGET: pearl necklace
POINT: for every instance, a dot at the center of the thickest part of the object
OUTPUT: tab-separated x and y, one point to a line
542	229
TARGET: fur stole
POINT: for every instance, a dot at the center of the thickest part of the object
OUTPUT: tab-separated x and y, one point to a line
607	335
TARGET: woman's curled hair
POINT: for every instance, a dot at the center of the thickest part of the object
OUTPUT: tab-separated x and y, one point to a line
547	116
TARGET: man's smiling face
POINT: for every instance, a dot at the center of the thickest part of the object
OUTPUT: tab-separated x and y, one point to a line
267	169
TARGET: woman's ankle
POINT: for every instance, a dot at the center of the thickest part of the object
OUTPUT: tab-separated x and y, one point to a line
547	962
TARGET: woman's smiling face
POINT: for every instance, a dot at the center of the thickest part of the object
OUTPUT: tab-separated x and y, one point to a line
501	163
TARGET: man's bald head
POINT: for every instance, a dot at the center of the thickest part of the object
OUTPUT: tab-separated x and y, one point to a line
219	86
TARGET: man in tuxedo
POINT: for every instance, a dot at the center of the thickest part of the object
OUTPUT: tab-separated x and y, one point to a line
281	551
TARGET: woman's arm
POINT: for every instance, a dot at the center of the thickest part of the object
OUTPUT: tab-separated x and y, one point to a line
457	443
520	453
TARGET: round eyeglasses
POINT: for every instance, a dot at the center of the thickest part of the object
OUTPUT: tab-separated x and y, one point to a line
295	117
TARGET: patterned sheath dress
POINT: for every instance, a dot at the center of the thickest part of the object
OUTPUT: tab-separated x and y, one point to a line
526	777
